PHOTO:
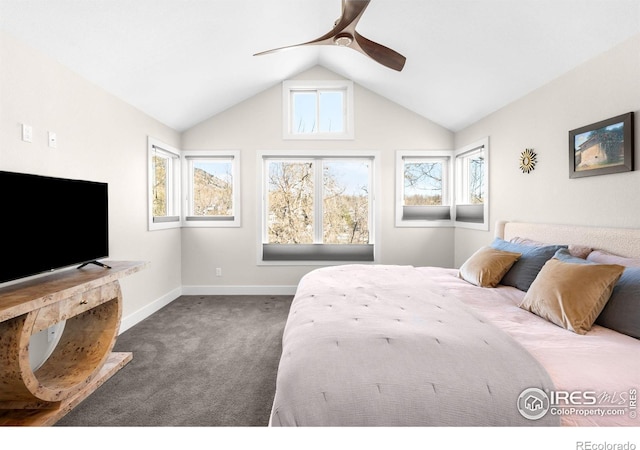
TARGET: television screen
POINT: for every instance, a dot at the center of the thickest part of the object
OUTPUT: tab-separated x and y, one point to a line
49	223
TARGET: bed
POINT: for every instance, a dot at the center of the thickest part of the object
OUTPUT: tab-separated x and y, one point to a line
382	345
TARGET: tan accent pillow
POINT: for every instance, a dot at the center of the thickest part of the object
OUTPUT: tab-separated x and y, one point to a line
487	266
571	295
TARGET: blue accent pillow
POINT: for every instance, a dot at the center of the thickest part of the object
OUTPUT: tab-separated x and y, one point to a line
565	256
622	311
526	269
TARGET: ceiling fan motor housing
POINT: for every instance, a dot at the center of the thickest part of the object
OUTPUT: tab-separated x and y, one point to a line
343	39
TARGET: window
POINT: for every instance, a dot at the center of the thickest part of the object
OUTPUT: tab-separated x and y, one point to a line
164	185
472	182
210	195
212	189
318	208
423	188
317	109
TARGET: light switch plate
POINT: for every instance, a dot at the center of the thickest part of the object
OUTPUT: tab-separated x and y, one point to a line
27	133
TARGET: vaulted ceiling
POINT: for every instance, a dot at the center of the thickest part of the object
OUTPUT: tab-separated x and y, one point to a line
183	61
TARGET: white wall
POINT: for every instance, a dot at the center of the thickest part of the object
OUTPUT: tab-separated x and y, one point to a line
604	87
256	124
100	138
104	139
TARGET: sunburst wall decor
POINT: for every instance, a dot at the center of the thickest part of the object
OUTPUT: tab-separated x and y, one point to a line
527	160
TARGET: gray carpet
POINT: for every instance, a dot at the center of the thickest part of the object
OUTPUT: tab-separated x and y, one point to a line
199	361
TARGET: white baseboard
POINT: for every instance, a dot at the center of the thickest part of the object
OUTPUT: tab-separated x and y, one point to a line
238	290
144	312
141	314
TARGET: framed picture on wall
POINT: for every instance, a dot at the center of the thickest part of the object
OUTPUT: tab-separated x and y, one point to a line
602	148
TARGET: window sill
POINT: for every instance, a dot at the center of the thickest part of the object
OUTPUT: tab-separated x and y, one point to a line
317	253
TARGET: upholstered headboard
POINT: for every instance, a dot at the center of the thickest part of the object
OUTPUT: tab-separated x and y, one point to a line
620	241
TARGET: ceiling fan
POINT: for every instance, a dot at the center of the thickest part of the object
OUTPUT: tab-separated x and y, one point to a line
344	34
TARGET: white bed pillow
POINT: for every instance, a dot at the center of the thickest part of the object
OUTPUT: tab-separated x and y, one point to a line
602	257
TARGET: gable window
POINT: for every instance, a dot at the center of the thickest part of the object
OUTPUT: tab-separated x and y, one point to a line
317	208
212	189
164	185
472	186
423	196
317	109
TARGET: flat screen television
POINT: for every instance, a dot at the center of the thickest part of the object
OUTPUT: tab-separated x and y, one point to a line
50	223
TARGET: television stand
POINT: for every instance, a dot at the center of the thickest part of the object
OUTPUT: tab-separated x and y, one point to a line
97	263
90	301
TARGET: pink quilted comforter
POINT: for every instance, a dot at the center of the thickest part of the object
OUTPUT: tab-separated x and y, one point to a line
399	345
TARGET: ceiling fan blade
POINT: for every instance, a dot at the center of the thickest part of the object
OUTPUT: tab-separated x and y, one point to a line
318	41
380	53
352	10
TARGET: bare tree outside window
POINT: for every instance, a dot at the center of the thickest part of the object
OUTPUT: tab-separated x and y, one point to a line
476	180
160	186
290	204
293	197
422	183
346	202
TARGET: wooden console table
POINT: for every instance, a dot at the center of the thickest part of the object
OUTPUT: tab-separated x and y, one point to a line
90	301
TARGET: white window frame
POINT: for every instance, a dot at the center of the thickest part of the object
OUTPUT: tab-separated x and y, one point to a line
172	220
188	219
460	179
290	86
374	213
447	195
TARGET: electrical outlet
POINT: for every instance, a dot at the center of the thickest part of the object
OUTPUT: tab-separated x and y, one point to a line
53	140
219	272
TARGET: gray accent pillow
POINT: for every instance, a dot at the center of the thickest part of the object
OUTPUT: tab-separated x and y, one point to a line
622	311
526	269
